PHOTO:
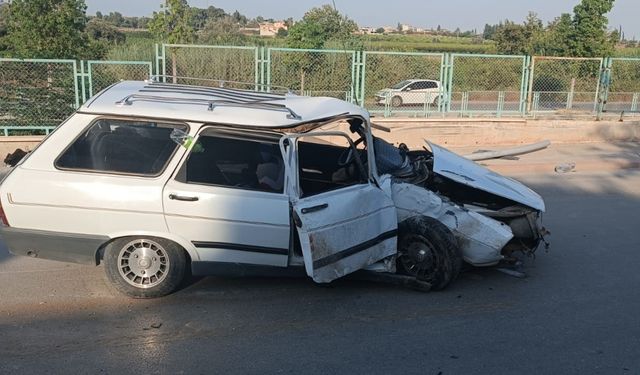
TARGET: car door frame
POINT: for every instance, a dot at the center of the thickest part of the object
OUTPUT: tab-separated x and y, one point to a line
347	259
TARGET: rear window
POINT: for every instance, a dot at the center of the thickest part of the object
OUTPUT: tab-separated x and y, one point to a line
122	146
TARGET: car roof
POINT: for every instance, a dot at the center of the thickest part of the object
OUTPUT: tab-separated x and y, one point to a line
232	107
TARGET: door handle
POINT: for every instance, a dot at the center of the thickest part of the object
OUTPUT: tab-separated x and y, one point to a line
311	209
182	198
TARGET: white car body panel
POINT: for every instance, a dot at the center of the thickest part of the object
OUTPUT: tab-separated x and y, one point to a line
480	238
469	173
343	230
417	96
223	220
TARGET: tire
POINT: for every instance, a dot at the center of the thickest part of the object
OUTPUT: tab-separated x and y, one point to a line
396	101
163	261
428	251
436	101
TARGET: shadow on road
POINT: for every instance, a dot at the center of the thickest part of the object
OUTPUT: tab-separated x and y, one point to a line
575	312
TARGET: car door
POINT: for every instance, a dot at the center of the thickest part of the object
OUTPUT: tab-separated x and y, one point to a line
344	223
227	199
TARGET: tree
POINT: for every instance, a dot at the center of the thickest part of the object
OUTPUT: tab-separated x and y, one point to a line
173	24
380	30
49	29
222	31
590	28
282	33
100	30
99	15
318	26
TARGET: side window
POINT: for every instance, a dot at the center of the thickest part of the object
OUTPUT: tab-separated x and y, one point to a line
233	162
417	86
122	146
325	163
431	85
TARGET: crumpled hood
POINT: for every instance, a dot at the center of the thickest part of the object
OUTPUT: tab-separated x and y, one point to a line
466	172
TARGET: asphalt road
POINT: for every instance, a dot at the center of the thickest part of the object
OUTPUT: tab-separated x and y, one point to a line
578	312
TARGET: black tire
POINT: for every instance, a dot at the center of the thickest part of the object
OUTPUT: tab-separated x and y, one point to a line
396	101
428	251
163	261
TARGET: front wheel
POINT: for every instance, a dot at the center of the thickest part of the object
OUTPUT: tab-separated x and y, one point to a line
145	267
396	101
428	251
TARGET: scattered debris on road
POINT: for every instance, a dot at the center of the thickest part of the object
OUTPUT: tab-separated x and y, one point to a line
510	152
565	168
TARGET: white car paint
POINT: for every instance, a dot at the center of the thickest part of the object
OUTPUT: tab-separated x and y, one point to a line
332	225
480	238
412	93
466	172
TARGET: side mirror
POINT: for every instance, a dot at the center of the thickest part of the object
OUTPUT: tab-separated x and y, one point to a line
408	88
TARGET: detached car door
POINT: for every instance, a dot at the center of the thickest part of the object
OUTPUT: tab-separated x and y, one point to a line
344	220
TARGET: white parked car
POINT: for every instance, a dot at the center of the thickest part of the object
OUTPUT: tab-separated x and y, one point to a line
411	92
151	179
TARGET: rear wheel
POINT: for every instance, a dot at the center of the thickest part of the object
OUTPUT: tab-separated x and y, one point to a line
428	251
396	101
145	267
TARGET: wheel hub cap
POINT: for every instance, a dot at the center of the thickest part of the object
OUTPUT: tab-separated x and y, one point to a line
143	263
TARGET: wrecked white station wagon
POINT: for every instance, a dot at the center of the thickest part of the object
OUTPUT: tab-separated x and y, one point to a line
155	179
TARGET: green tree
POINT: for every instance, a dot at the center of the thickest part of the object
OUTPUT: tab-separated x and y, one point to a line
318	26
49	29
100	30
590	23
173	23
222	31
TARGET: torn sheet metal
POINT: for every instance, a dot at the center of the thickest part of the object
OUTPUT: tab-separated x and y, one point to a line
464	171
481	239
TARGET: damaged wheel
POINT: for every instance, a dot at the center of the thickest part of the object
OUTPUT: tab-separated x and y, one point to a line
428	251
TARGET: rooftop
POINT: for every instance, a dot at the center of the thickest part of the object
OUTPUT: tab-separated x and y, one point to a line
216	105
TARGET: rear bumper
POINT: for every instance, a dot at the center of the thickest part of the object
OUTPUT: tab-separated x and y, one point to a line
64	247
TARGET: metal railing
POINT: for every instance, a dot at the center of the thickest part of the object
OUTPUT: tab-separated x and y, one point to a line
36	95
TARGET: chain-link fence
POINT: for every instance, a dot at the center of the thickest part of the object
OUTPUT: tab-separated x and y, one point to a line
564	86
486	84
105	73
624	86
398	83
36	93
210	65
312	72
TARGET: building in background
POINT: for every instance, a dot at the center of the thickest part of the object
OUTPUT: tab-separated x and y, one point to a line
5	2
271	28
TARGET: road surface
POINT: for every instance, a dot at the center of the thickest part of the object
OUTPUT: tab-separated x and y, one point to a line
578	312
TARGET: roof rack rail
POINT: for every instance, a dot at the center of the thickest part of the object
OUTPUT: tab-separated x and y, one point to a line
211	104
251	86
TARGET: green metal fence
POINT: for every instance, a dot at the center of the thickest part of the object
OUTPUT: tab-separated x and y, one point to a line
383	74
102	74
486	84
312	72
564	85
36	95
209	65
623	83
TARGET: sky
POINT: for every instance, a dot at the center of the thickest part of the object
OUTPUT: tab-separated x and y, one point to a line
450	14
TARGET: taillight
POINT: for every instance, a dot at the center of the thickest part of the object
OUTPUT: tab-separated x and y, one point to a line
3	217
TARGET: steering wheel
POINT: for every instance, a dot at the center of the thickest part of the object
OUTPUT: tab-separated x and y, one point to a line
348	156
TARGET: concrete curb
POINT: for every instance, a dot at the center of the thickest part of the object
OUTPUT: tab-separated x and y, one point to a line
609	165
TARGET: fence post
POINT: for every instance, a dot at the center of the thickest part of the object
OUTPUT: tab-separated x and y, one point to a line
634	101
530	98
449	79
603	87
501	98
524	85
363	77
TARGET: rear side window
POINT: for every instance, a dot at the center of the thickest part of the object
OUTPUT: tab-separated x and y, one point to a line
122	146
430	85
